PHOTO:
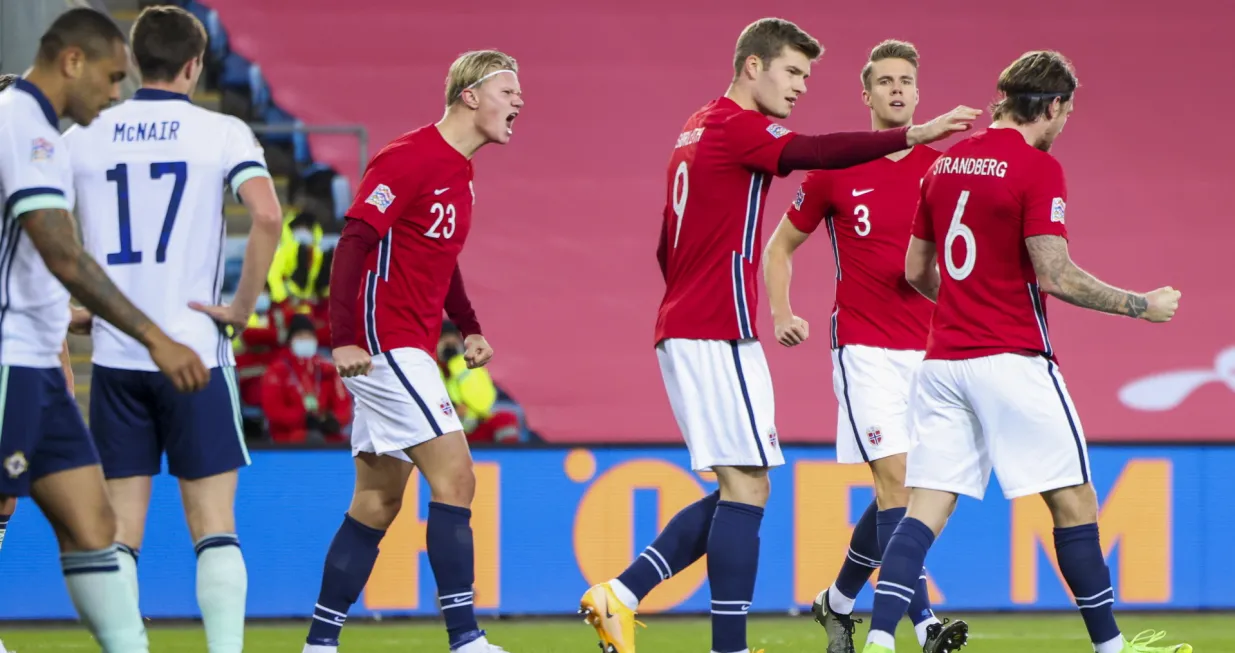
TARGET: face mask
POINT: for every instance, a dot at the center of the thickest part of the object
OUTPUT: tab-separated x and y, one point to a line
304	348
303	236
263	303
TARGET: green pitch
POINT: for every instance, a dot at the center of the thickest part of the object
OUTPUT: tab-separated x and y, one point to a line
989	634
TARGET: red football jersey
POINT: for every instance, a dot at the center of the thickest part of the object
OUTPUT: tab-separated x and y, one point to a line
980	201
417	194
719	176
869	211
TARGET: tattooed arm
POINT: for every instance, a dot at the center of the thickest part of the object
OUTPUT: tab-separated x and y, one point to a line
54	234
921	270
1059	277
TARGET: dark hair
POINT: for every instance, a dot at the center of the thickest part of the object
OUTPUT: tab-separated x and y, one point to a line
93	32
300	323
890	49
165	38
1031	84
449	328
7	81
766	38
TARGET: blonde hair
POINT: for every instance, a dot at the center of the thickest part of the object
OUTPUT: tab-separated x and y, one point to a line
472	67
889	49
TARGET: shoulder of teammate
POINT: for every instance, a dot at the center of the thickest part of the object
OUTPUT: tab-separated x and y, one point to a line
1045	196
390	183
755	141
244	158
33	171
812	202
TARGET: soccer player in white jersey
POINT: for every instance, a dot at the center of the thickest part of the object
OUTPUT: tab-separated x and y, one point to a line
45	449
149	173
989	243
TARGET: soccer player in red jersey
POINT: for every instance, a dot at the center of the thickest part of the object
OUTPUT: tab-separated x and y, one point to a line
879	325
395	269
989	394
713	367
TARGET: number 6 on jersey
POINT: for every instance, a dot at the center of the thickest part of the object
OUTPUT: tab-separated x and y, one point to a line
958	230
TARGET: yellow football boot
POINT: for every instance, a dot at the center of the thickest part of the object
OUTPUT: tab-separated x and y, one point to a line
614	622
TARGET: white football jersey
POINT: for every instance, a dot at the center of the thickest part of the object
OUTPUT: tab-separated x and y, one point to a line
35	174
150	173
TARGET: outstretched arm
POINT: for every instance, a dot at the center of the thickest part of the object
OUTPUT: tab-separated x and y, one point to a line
1059	277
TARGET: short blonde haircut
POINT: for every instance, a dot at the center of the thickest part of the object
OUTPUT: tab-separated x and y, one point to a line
470	67
890	49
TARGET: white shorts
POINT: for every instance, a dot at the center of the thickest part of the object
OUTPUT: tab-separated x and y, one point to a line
400	404
872	387
1009	412
721	394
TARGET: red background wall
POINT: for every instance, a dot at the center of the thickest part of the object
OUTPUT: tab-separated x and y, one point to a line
561	262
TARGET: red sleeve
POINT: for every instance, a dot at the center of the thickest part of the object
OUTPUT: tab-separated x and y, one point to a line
356	242
383	194
840	150
459	307
756	141
282	405
1045	200
813	202
923	228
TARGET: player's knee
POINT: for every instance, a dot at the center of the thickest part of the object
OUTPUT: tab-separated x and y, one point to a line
89	532
742	485
889	475
455	487
376	509
1072	506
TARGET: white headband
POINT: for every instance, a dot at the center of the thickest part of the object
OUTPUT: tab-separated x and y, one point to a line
496	72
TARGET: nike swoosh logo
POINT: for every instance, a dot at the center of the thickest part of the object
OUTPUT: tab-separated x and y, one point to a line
462	599
441	190
858	193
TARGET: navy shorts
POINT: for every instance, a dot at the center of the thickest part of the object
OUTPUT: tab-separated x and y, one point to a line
136	416
41	430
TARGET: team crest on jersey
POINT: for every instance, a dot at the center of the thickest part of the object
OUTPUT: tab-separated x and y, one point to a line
1057	206
381	197
801	197
777	130
874	435
16	464
41	149
772	437
448	408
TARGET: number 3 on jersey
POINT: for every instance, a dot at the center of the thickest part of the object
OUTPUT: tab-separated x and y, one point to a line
119	175
958	230
442	213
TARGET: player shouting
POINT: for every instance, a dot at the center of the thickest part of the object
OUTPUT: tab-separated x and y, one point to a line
989	394
395	269
878	328
713	367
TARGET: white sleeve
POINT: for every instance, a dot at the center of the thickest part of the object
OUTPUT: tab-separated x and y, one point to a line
33	161
243	157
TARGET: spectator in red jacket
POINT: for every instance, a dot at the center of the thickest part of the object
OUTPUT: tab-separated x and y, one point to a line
302	394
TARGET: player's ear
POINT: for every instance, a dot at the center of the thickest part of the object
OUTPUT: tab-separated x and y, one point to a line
469	98
72	61
752	66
